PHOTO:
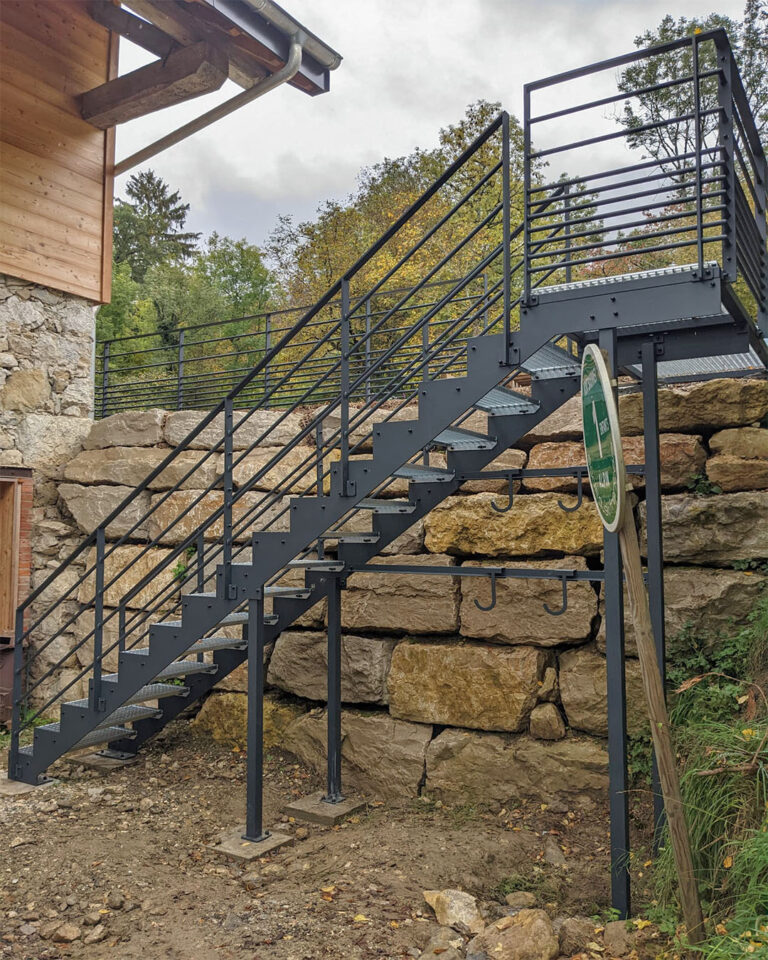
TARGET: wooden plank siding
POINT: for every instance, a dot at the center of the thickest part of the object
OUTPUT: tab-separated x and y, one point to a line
55	169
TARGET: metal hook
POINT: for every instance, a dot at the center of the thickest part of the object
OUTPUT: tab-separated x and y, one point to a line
493	593
564	607
579	493
511	498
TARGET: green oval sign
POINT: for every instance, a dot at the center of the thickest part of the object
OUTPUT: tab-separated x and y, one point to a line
602	439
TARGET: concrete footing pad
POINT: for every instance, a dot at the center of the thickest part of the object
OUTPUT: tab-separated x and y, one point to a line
232	845
100	763
15	788
315	810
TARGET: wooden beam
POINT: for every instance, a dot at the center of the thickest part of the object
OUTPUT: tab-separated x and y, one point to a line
188	72
133	28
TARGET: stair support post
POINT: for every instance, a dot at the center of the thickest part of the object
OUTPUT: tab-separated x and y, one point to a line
333	793
228	492
616	695
346	487
18	670
254	816
98	622
655	545
507	229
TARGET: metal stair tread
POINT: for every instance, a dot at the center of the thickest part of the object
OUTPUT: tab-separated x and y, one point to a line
209	644
180	668
310	563
414	471
129	714
386	506
292	593
501	401
241	616
101	734
342	537
156	691
456	438
551	361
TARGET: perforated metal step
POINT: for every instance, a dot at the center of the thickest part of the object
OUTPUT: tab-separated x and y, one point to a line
290	593
386	506
129	714
503	402
241	616
454	438
413	471
341	537
183	668
99	735
156	691
210	644
310	563
551	362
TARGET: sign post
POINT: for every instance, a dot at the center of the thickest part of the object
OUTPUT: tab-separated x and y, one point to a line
608	480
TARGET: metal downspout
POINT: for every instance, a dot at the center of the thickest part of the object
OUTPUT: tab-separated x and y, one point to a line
287	72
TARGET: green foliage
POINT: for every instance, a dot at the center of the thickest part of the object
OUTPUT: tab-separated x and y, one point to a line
701	486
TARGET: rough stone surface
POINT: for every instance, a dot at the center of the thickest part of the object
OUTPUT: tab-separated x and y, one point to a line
128	566
711	603
455	908
738	473
92	505
528	935
748	442
508	460
583	692
464	765
563	424
380	755
134	428
617	939
261	428
398	603
299	665
700	406
224	717
293	472
47	442
536	525
25	390
410	541
172	523
547	722
713	530
575	933
519	615
130	466
465	685
682	456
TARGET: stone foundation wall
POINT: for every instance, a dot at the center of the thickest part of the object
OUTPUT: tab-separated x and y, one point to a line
439	695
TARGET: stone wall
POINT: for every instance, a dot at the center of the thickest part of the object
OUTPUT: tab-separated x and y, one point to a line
439	695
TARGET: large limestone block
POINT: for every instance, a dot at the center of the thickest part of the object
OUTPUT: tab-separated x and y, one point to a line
46	442
361	433
236	681
264	428
134	428
178	515
130	466
25	390
713	530
711	603
534	525
294	470
563	424
402	603
125	568
508	460
83	629
682	456
583	687
465	685
299	665
90	506
410	540
748	442
700	406
224	717
464	765
380	756
519	615
737	473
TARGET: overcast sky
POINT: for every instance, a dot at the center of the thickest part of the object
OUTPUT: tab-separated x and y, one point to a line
410	67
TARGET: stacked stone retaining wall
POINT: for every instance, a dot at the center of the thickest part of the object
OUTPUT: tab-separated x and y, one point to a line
439	695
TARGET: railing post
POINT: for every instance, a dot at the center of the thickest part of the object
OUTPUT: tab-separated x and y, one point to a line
346	489
267	348
485	300
228	493
97	702
104	378
180	379
506	215
367	348
200	581
727	143
698	149
319	480
254	817
526	294
18	671
121	613
567	232
333	793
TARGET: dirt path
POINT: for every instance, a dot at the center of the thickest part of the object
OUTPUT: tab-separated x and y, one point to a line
122	858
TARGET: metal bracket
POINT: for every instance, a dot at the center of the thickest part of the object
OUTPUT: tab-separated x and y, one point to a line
510	498
579	495
564	605
493	595
232	591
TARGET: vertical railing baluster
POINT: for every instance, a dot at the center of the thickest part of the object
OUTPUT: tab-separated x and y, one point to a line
567	232
18	671
726	143
121	613
507	228
526	294
200	578
319	479
367	349
485	300
180	368
344	440
98	622
104	378
267	348
698	148
228	491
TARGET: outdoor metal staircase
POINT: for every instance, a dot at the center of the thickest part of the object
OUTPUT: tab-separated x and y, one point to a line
151	608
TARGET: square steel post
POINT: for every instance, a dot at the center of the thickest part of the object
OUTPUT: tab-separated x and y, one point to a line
616	698
333	793
254	816
655	542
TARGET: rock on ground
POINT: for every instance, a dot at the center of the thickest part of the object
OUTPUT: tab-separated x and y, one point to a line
528	935
455	908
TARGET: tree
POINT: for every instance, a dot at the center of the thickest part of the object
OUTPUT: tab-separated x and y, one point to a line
749	39
149	228
235	268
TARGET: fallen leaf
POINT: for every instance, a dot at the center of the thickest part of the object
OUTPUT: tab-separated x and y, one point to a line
361	918
728	862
